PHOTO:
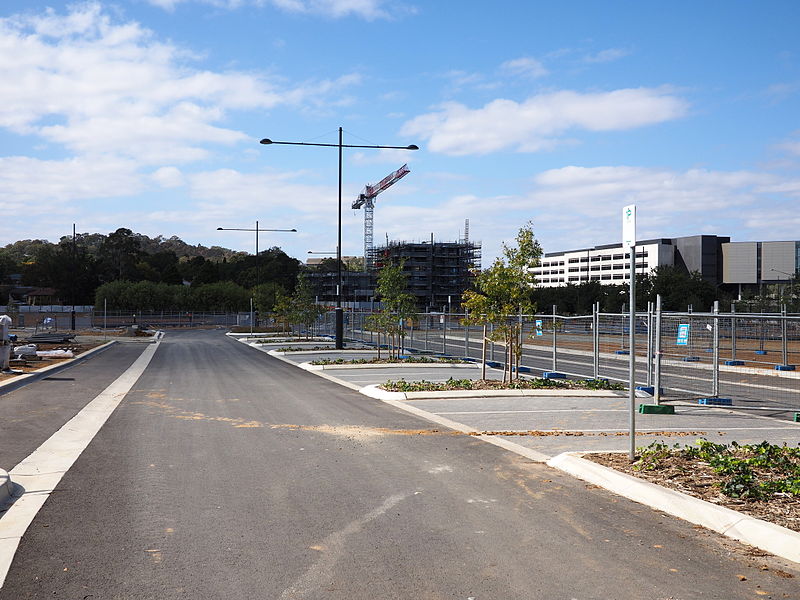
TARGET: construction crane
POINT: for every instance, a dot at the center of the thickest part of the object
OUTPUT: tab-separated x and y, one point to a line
367	200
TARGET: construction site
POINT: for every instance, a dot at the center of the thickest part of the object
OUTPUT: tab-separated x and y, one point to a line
437	272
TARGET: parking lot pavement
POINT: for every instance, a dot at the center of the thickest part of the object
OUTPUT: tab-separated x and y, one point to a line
552	425
601	424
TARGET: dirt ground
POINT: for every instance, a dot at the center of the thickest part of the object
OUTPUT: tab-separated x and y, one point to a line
697	479
30	365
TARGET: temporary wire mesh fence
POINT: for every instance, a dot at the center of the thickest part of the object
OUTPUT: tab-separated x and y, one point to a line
749	358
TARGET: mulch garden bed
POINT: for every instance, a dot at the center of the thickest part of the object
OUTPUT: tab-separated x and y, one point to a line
762	480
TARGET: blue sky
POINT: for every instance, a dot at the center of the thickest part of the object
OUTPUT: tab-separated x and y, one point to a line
147	114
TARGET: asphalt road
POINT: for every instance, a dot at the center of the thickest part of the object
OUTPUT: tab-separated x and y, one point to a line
226	473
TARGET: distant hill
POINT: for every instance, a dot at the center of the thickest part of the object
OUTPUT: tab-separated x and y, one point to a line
21	249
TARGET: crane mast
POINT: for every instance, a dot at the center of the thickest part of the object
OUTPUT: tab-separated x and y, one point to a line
366	199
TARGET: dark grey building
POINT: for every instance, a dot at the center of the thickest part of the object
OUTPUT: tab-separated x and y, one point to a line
437	274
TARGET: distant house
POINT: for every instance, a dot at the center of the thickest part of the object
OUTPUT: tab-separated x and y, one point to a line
42	296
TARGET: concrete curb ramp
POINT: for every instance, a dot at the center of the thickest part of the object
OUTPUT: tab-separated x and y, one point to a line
373	391
767	536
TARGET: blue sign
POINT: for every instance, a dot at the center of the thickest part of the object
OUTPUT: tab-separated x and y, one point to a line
683	335
538	327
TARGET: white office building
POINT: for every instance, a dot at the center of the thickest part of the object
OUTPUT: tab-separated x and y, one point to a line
610	264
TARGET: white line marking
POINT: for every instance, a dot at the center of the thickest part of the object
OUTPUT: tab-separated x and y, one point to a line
40	472
332	549
663	429
515	412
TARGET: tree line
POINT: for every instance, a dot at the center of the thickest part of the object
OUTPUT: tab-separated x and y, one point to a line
130	271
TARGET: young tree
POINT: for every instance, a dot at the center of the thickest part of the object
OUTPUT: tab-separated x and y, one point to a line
503	291
398	306
305	309
266	294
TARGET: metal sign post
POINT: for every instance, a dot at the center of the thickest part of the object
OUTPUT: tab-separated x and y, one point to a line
629	242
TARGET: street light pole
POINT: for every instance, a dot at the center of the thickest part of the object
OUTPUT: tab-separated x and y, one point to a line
340	145
257	230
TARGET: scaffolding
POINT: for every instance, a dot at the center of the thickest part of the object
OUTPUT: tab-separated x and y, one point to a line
438	272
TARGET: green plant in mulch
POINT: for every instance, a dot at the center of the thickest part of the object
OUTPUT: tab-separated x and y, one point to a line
749	472
299	349
402	385
381	361
602	384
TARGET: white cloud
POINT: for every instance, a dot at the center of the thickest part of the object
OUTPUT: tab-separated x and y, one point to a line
34	187
540	121
366	9
168	177
99	87
525	66
608	55
383	157
580	206
790	146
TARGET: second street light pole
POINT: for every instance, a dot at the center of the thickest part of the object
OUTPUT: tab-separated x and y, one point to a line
339	314
257	230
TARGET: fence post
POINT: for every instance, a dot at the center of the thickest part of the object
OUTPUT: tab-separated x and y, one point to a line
715	375
555	343
622	327
657	373
733	331
649	343
596	339
466	335
444	333
784	336
483	354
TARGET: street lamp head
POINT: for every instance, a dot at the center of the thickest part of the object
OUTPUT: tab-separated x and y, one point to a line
265	141
412	147
293	230
219	229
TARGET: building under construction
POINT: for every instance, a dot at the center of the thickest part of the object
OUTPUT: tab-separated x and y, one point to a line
438	272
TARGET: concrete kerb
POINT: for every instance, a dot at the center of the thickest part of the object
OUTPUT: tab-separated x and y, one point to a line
373	391
730	523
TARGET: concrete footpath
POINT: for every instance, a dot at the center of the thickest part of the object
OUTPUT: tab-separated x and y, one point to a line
558	428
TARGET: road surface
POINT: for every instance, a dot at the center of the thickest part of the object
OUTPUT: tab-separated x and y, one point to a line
226	473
